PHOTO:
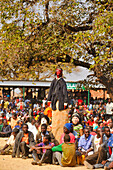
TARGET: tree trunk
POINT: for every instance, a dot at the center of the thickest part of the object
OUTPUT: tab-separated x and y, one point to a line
110	90
108	84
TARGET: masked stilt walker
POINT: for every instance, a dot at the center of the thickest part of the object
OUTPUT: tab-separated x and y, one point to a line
59	100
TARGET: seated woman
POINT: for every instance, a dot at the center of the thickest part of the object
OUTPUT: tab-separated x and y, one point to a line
9	145
76	124
67	129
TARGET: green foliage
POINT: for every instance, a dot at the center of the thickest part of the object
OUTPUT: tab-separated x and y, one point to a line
37	35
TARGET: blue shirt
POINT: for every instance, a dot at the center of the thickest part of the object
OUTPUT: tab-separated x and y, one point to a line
85	143
105	144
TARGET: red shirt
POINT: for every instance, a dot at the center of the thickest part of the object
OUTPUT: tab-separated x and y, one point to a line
93	133
80	101
90	123
72	138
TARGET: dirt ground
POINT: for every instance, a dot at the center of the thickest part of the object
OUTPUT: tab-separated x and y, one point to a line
9	163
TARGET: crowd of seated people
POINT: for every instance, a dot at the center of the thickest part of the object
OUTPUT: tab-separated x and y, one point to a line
86	140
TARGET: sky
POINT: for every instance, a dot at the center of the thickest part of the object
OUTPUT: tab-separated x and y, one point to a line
80	73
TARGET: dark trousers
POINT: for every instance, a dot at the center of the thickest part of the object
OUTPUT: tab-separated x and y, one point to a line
108	117
24	148
45	157
97	157
4	135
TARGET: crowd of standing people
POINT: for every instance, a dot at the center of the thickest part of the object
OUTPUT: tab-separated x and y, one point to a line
87	138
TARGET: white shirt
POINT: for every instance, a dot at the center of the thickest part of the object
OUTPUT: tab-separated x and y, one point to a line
43	104
32	129
11	140
109	107
96	143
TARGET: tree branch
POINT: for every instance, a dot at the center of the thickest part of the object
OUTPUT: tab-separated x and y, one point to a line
74	61
46	10
78	28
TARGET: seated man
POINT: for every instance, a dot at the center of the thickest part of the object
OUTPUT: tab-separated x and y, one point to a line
14	120
32	127
84	145
68	158
40	135
23	141
9	143
96	140
85	142
44	150
6	129
102	156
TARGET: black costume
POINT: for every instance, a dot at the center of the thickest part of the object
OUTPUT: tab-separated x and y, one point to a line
58	92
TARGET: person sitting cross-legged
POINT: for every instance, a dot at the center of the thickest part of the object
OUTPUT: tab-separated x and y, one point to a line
43	150
65	153
40	135
7	149
84	145
23	141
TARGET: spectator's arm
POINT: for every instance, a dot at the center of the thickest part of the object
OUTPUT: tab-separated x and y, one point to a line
57	148
101	140
90	149
8	130
6	146
32	142
81	132
92	144
38	139
80	144
46	147
53	140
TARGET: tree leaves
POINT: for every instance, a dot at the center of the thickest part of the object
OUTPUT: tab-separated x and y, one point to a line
36	35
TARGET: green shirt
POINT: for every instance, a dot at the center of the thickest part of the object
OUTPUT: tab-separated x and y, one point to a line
69	154
77	129
1	125
57	148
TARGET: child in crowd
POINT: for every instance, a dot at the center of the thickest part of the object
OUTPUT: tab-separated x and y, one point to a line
65	153
44	150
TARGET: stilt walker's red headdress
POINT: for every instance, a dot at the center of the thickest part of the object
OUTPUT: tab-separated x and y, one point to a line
58	72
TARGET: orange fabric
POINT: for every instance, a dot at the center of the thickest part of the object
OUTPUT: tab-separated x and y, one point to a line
80	160
25	138
14	122
48	112
59	119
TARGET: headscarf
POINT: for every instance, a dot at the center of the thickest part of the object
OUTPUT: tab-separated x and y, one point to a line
68	126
